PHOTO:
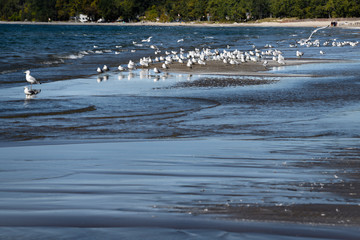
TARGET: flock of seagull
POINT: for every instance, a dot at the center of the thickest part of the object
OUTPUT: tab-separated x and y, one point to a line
201	57
236	57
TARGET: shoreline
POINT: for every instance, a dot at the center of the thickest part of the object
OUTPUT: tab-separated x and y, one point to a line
342	23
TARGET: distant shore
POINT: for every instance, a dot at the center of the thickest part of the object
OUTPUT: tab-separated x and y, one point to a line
345	23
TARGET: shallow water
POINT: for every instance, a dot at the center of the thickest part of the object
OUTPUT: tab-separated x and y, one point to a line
133	154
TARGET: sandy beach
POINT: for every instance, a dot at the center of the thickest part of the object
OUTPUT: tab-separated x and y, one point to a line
242	69
313	23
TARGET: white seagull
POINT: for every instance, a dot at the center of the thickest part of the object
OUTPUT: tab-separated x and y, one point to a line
99	70
30	78
299	54
105	68
131	65
156	70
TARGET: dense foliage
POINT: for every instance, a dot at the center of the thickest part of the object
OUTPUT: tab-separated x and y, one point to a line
175	10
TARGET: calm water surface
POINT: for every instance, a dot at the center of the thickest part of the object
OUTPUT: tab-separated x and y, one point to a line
132	155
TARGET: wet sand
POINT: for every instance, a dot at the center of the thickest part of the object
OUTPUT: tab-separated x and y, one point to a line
103	186
242	69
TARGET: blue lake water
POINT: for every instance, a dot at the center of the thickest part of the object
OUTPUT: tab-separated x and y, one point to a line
132	154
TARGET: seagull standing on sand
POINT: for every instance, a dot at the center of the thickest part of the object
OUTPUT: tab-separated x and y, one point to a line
31	79
299	54
131	65
31	92
105	68
156	70
265	63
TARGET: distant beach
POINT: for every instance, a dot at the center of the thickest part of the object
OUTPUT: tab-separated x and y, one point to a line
345	23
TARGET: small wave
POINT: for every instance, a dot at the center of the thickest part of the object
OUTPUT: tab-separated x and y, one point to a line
8	71
40	114
208	37
53	62
74	56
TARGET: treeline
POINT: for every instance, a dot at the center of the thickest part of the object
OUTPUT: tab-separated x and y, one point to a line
175	10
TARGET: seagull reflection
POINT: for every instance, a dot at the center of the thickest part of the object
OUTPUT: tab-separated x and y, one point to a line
189	77
131	76
157	78
99	79
144	74
120	77
165	76
105	78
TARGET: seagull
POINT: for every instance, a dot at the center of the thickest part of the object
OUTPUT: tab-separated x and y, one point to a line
156	70
164	66
105	68
281	59
265	63
299	54
131	65
316	31
121	68
189	64
99	70
31	92
147	40
30	78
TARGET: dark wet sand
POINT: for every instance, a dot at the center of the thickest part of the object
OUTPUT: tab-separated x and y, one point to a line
344	162
212	82
243	69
